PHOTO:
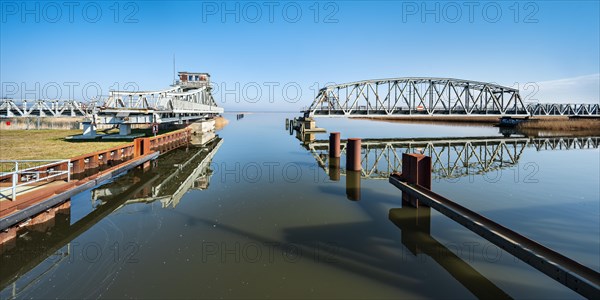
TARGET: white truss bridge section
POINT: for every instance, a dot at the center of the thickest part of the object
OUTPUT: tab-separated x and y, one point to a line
9	108
170	105
428	96
563	109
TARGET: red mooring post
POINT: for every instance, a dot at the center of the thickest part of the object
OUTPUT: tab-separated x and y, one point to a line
353	156
334	144
416	169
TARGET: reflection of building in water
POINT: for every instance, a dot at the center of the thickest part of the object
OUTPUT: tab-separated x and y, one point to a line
451	157
175	173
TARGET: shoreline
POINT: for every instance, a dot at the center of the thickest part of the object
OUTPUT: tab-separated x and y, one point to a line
544	125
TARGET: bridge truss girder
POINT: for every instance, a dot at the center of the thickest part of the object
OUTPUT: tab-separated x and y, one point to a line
46	108
450	158
169	99
417	96
166	106
563	109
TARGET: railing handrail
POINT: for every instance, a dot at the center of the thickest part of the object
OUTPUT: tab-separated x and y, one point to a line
52	163
37	170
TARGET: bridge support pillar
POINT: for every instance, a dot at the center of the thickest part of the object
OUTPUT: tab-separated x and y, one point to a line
353	156
334	144
124	129
89	129
416	169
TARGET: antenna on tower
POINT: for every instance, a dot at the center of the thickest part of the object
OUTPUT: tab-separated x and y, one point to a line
174	74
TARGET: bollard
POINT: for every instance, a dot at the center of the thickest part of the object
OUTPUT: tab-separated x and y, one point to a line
137	147
353	156
416	169
334	169
353	185
334	144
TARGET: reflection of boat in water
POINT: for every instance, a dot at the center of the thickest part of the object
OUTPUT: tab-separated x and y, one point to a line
451	157
167	180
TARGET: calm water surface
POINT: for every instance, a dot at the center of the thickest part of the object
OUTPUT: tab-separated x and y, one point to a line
260	217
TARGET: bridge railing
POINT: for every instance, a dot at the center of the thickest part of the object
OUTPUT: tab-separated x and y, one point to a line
20	176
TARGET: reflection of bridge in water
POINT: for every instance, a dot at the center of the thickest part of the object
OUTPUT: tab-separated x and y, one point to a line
176	172
451	157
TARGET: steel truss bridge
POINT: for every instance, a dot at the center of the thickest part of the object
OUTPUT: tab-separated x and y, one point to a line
451	157
408	96
46	108
176	104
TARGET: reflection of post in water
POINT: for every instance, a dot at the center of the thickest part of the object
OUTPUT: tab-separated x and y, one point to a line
334	169
334	156
353	169
353	185
414	222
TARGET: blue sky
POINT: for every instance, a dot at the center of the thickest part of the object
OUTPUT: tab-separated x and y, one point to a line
268	57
